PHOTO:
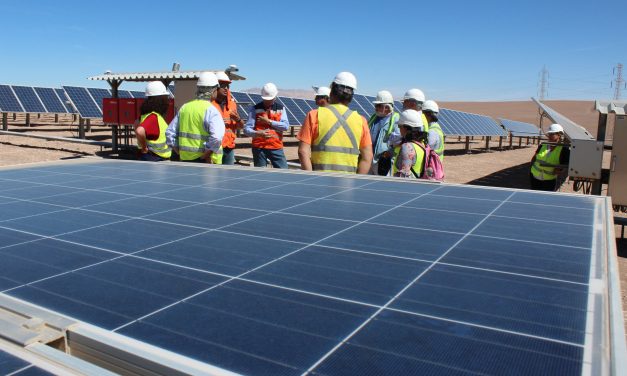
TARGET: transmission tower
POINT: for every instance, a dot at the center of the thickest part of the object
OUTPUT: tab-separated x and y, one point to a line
618	81
544	83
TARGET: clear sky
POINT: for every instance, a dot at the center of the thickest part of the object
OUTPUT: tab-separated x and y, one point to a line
452	50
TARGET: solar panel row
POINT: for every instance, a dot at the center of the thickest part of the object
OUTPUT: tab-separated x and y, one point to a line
519	129
31	99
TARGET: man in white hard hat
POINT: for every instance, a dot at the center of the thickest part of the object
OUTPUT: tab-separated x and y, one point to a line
322	96
150	132
266	123
382	124
549	161
225	103
430	110
196	131
335	138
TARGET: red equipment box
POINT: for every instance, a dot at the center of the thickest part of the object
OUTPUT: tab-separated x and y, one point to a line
138	106
110	110
127	111
170	114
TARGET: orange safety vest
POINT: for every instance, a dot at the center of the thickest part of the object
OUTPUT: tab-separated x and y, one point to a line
274	114
230	126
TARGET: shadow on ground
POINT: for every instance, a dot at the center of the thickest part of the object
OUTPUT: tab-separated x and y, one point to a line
511	177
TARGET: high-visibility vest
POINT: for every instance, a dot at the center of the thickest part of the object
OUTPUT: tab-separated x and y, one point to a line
159	145
336	148
435	126
274	114
192	134
230	126
546	156
425	122
418	165
393	119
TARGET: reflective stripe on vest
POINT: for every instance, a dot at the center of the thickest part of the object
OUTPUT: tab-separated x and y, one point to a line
436	127
336	148
191	133
158	146
274	114
418	165
545	157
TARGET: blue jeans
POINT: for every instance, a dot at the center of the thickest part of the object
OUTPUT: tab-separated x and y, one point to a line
150	157
276	157
228	156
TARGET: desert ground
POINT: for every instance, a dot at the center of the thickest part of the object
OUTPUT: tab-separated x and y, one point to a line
500	167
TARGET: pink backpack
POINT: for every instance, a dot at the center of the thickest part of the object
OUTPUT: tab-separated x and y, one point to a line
433	168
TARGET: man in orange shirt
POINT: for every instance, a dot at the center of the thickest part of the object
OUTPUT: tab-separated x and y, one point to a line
334	138
228	108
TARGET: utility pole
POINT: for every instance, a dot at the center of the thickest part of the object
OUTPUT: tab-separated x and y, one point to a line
619	82
544	83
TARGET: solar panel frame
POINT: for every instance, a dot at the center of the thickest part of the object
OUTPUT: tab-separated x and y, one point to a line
51	100
84	103
29	99
8	100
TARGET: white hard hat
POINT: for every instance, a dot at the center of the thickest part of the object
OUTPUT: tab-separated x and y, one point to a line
207	79
156	88
412	119
415	94
269	91
431	106
384	97
222	76
323	91
555	128
346	79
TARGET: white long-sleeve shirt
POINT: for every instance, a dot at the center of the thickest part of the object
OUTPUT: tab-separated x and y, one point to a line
213	124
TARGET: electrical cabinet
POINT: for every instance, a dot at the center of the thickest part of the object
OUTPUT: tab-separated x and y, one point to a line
110	110
618	166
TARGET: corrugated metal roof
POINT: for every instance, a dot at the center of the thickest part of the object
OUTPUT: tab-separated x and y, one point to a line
616	106
149	76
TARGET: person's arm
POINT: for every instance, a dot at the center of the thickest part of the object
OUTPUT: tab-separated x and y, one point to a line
283	124
406	160
171	134
304	155
249	127
140	134
214	125
365	160
395	138
306	135
433	139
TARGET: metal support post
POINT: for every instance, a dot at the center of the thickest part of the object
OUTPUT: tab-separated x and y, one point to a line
89	125
511	139
114	137
500	142
487	143
81	128
56	118
28	120
5	121
467	144
520	142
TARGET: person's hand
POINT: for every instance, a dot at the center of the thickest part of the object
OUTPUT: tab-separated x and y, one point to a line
264	119
265	133
144	150
235	116
386	154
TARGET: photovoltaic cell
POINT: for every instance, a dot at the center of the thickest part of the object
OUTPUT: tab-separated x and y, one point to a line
8	100
244	103
29	99
50	100
65	101
466	124
294	114
303	104
519	128
99	94
138	94
124	94
83	101
364	103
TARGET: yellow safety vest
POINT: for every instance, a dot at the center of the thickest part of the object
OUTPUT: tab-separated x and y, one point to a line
158	146
439	151
337	146
417	167
544	156
192	134
425	122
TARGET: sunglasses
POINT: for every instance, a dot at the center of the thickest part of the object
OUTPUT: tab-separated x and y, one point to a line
224	85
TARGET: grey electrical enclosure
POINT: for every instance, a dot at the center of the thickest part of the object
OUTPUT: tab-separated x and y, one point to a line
618	166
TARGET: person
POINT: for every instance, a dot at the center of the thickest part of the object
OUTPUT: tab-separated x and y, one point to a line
196	131
545	164
382	124
436	137
225	103
322	96
409	156
150	131
335	138
412	100
266	123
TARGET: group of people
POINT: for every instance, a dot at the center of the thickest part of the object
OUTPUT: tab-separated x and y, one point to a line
332	138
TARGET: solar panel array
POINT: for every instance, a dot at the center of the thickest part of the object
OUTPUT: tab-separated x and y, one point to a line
8	100
466	124
519	128
261	271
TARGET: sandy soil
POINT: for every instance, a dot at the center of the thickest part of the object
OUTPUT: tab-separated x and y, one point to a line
493	167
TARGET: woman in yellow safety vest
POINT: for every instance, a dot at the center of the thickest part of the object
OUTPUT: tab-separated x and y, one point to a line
546	163
150	131
409	156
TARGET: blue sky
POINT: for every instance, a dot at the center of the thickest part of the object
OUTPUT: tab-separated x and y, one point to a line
452	50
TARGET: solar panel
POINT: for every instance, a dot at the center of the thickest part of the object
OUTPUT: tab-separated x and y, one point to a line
14	366
244	103
256	98
287	273
311	103
397	105
27	96
304	105
65	100
353	105
365	103
99	94
8	100
294	113
138	94
520	129
83	102
50	100
124	94
466	124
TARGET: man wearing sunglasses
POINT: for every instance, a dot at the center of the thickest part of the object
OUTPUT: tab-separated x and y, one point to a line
225	103
382	124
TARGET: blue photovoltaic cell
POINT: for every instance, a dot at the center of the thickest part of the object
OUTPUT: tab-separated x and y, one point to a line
244	103
83	102
138	94
311	103
256	98
467	124
14	366
294	114
99	94
303	104
65	100
519	128
353	105
365	103
8	101
398	105
28	98
280	272
50	100
124	94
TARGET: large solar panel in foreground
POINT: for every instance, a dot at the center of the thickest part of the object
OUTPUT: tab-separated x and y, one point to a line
287	273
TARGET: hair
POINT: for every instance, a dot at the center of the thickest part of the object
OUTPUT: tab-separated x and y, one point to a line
343	94
158	104
414	135
431	114
205	92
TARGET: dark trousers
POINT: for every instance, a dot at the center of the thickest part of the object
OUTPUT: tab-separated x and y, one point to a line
542	185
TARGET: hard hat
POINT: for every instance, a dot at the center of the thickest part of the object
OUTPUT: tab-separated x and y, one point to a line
269	91
555	128
323	91
346	79
207	79
412	119
222	77
415	94
156	88
431	106
384	97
